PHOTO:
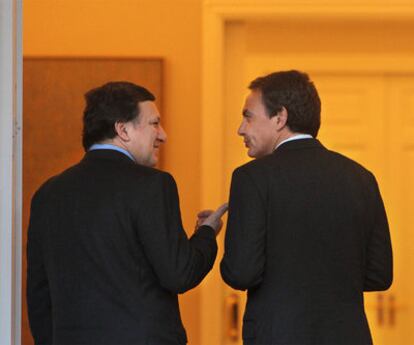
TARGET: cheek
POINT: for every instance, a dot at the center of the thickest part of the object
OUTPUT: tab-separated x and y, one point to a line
150	138
262	135
269	138
256	133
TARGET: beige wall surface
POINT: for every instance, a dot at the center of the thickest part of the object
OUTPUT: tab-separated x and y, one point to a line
167	29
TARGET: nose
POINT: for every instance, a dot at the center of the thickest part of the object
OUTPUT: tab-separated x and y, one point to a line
162	136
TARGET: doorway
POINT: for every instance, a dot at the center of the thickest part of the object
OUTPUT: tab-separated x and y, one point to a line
367	90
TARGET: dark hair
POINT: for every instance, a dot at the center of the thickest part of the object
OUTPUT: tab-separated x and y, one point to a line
297	93
108	104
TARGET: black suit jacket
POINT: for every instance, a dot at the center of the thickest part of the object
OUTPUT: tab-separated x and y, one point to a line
307	233
107	255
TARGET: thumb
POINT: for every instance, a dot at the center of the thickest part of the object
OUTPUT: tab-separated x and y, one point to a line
204	213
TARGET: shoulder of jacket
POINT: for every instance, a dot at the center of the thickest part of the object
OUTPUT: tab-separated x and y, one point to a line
256	166
351	163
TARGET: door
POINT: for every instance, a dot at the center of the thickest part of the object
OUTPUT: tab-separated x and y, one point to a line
367	114
398	303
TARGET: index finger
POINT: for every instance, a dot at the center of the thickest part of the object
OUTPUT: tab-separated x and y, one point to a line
222	209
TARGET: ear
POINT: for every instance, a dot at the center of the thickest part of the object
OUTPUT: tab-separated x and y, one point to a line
121	129
281	119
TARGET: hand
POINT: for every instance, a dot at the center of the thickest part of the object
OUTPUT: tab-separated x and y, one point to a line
202	216
212	218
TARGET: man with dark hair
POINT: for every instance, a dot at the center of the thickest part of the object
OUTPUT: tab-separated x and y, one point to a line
307	232
107	253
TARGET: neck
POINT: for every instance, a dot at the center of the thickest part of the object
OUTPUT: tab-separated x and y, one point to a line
285	135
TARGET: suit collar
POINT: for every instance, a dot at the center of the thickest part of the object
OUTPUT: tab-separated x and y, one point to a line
107	154
299	144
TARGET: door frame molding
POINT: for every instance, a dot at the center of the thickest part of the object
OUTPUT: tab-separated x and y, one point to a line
10	170
216	15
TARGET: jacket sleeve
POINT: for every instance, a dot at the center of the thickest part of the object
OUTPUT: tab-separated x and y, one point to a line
179	263
378	265
243	262
38	296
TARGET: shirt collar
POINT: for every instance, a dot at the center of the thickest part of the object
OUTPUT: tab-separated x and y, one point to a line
295	137
111	147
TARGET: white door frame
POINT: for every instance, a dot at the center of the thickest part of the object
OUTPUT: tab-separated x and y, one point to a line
10	170
216	14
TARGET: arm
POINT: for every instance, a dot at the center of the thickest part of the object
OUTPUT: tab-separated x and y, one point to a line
38	296
378	273
179	263
243	263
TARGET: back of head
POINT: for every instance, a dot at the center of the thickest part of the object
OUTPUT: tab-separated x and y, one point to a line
108	104
294	91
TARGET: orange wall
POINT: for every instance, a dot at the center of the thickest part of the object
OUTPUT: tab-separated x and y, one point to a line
142	28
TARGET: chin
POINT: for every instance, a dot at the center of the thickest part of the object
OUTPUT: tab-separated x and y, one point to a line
256	155
251	154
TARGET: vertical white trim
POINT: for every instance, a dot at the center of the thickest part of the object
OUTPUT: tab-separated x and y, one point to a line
18	171
10	170
6	168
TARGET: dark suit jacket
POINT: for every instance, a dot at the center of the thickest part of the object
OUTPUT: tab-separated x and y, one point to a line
307	233
107	255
